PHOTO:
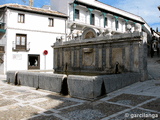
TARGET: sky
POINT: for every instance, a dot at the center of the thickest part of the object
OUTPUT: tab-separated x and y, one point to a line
37	3
147	9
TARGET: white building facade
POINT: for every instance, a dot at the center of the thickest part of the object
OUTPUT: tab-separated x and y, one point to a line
91	18
26	37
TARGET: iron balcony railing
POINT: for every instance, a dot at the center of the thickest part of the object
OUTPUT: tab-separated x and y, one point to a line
25	47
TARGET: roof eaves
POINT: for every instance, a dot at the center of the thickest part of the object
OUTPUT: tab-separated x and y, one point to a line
34	11
80	2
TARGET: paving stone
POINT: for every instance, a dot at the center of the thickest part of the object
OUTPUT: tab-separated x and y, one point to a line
154	105
5	102
1	97
30	96
21	91
87	114
42	117
130	99
54	104
137	114
18	112
10	93
91	111
4	88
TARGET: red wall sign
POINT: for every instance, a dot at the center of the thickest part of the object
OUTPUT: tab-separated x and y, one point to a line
45	52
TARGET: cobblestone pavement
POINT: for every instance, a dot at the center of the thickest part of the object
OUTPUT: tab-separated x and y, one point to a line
136	102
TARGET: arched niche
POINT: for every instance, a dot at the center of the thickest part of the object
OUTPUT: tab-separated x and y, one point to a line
89	33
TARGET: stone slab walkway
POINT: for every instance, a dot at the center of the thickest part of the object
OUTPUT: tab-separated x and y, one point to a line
136	102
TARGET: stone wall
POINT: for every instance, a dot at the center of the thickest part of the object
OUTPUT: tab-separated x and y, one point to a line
38	80
103	55
93	87
79	86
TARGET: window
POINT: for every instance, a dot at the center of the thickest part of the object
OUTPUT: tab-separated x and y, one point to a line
21	41
51	22
105	22
76	14
33	61
2	49
126	26
92	19
21	18
116	24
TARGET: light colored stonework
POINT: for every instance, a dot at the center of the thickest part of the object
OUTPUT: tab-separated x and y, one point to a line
124	52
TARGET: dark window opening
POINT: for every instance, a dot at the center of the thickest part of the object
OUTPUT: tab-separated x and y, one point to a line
76	14
51	22
33	61
105	22
92	19
116	24
21	18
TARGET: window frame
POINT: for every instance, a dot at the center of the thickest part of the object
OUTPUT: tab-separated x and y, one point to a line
19	44
116	24
38	61
77	15
51	22
21	20
92	22
105	22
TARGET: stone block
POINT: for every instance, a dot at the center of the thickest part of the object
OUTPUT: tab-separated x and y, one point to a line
116	37
51	82
33	78
28	79
118	81
127	58
136	58
117	56
127	35
23	79
136	34
11	76
88	87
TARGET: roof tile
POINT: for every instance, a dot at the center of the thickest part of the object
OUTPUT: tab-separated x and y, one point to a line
18	6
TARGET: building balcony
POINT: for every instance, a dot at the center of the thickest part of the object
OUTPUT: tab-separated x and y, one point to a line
2	27
21	48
